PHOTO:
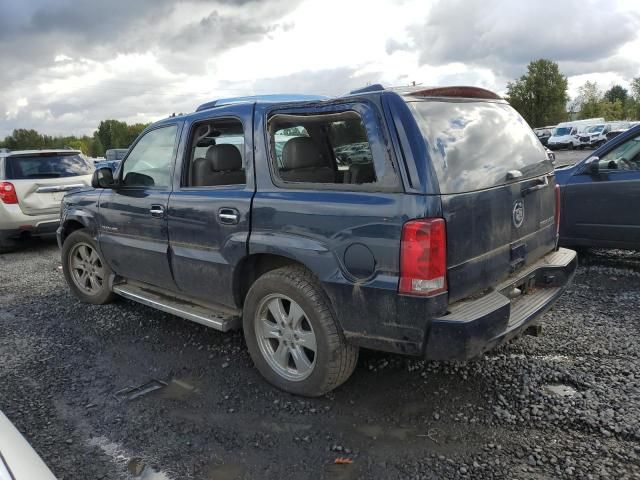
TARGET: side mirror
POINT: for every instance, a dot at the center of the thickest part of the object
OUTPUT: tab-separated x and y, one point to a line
593	166
102	178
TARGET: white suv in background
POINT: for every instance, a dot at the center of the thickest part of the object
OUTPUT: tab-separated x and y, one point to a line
32	184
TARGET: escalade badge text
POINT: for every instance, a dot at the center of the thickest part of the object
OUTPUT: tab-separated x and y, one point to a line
518	213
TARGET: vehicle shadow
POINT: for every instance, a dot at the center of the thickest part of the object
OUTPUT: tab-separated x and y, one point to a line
31	244
628	259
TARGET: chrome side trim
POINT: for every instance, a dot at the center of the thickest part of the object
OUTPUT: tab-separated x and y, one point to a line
195	313
59	188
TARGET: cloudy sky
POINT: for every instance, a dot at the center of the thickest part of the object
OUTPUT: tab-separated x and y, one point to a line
65	65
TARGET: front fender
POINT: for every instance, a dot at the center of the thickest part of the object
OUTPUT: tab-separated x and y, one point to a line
69	220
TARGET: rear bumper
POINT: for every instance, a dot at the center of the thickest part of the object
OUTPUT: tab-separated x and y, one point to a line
15	225
41	229
472	327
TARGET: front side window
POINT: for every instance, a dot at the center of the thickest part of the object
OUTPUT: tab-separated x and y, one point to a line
624	157
324	148
149	163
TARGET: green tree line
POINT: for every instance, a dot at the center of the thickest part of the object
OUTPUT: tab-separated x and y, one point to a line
110	134
541	97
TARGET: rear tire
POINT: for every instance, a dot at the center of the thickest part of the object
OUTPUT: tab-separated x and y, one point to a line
85	270
310	360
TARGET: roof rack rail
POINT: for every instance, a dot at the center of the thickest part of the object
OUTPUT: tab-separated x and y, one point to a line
376	87
278	97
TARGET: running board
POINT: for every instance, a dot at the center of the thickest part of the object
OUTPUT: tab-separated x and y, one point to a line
214	316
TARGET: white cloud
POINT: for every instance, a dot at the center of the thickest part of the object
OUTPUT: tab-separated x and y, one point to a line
72	67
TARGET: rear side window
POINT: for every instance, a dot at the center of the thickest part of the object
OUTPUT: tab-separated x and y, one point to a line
323	148
477	144
46	166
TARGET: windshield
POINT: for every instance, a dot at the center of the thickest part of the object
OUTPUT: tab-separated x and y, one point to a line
474	144
46	166
562	131
594	129
115	153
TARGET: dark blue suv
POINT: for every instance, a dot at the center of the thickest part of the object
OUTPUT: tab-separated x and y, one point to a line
421	222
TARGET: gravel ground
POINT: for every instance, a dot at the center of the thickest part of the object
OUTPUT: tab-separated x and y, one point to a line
565	404
569	157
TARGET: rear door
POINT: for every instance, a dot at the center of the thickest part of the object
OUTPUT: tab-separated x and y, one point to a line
132	217
598	208
209	209
42	179
340	218
497	190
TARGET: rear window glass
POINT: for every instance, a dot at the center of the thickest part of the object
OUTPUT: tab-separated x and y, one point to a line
474	144
46	166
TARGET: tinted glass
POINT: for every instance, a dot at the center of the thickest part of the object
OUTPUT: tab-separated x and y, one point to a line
562	131
335	150
149	163
212	163
473	144
115	153
46	166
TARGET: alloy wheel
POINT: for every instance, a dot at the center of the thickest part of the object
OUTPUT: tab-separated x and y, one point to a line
87	269
285	337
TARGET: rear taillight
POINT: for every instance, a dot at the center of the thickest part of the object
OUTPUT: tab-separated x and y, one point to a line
557	209
8	193
423	257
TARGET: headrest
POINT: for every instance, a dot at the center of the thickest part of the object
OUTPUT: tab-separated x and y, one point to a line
224	157
302	152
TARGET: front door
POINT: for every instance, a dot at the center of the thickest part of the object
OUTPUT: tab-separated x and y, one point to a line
209	209
133	216
602	207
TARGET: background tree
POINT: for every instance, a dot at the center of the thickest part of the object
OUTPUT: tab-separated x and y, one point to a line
632	109
541	94
589	99
616	93
110	134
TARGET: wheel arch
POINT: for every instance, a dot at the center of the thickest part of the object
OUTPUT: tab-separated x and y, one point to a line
252	267
75	220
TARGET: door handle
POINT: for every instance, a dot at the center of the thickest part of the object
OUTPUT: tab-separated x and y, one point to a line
157	211
228	216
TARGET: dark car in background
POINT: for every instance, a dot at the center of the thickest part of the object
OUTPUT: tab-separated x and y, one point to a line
620	127
544	134
600	196
113	157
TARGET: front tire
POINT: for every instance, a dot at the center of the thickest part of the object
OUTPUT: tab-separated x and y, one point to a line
85	270
292	335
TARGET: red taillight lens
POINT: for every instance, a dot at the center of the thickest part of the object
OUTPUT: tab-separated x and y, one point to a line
557	209
8	193
423	257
